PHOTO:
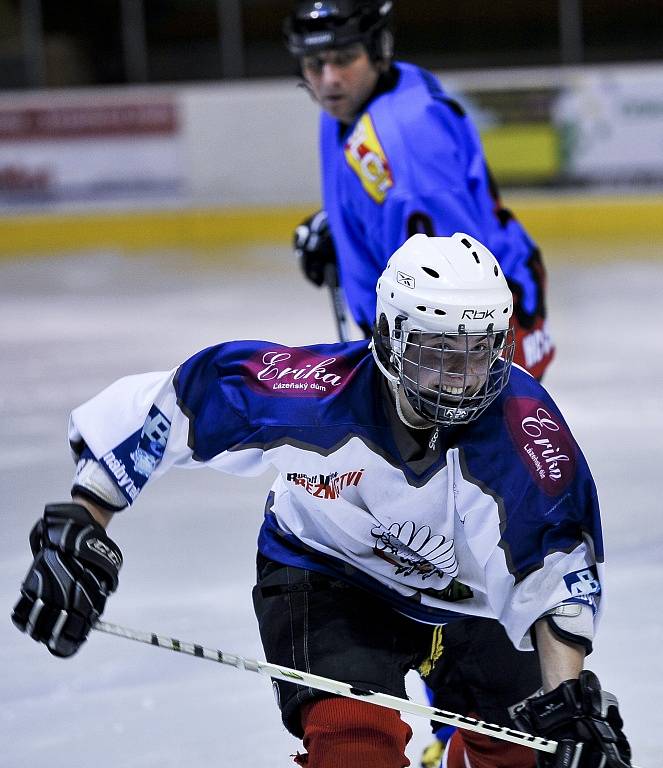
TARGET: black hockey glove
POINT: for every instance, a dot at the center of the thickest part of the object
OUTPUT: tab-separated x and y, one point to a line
75	568
314	247
583	719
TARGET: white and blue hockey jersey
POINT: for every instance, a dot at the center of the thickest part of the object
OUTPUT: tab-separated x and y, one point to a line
497	518
413	162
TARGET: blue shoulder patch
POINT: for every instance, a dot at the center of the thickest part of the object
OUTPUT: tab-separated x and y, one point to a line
255	393
522	453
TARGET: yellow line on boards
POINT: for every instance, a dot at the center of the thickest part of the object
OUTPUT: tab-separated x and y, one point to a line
596	218
546	217
146	230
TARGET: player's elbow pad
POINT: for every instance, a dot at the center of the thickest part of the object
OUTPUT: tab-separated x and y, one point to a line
93	482
572	623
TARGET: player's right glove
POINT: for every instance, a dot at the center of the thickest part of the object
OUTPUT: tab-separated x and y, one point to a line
583	719
75	568
314	247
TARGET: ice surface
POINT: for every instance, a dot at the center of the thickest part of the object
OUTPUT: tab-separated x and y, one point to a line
71	324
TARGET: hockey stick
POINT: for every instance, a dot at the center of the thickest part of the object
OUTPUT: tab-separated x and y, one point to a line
331	686
337	302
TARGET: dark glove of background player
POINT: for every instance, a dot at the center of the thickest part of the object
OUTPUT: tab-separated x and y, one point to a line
314	247
75	568
583	719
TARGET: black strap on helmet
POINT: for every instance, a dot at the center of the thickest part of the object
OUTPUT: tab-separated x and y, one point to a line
315	25
381	337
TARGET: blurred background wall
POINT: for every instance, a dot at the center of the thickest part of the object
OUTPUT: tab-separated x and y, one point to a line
179	122
45	43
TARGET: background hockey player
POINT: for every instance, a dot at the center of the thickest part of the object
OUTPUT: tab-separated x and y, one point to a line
420	479
398	156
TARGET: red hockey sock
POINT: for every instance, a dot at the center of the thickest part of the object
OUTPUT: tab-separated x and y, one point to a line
344	733
467	749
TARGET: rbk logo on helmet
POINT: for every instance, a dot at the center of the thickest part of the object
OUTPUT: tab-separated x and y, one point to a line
478	314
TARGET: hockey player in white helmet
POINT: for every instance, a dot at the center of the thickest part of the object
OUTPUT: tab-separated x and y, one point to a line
419	482
443	337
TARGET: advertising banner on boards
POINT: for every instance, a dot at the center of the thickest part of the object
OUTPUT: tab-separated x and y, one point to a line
89	148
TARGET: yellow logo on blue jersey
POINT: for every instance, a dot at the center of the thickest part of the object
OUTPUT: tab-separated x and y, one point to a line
366	157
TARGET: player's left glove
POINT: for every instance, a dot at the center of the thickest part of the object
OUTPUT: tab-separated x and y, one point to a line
75	568
314	247
583	719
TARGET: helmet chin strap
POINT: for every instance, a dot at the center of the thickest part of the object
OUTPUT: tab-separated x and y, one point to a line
396	390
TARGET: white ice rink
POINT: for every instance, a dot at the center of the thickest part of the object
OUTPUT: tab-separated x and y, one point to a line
70	325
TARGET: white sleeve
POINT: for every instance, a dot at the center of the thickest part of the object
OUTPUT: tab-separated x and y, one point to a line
136	431
566	577
107	419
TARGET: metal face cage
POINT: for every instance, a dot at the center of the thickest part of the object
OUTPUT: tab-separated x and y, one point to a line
451	378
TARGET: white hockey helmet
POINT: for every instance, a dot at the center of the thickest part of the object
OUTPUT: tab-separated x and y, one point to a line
443	329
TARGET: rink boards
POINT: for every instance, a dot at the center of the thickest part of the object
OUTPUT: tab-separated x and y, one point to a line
600	217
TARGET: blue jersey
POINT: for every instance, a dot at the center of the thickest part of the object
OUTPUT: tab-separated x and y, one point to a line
498	518
413	162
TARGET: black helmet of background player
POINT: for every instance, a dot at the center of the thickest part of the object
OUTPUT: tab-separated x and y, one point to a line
316	25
